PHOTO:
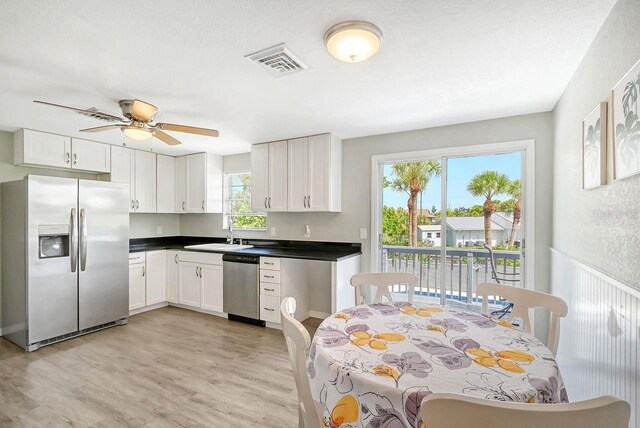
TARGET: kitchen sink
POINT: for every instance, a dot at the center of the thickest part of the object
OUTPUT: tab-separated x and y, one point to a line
218	247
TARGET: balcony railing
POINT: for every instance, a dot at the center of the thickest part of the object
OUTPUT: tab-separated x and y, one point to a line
464	270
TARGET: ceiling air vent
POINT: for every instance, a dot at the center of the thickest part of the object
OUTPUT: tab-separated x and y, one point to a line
278	60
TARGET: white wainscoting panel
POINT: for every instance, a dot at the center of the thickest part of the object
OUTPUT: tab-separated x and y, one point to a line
599	340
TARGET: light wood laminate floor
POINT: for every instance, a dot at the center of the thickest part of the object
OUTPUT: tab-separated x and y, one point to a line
168	367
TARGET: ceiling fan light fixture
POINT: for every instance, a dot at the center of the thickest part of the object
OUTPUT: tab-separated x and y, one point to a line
353	41
137	133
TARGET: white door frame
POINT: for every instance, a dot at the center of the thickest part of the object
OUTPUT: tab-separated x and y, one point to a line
528	192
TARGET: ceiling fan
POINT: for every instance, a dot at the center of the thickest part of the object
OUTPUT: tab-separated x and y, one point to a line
136	123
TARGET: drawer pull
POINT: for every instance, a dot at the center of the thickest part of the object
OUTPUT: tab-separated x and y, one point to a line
268	263
269	289
270	310
269	276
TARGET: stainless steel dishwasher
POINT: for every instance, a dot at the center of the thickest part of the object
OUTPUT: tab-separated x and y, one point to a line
241	288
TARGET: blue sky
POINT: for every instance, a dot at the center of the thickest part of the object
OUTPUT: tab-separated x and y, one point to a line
461	170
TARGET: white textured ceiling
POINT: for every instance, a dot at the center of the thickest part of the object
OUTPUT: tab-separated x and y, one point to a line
441	62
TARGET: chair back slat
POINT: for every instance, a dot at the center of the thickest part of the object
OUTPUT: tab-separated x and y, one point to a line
454	411
523	301
382	282
298	343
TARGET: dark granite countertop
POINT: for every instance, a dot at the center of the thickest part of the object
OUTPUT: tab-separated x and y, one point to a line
309	250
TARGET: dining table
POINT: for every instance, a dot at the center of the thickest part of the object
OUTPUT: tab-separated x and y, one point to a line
372	365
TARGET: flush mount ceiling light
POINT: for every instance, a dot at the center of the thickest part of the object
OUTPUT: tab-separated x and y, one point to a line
353	41
137	132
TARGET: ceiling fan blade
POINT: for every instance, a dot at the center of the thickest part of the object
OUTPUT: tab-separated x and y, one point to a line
187	129
143	111
165	138
102	128
86	112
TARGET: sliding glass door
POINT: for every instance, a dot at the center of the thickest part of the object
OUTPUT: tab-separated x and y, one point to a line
454	221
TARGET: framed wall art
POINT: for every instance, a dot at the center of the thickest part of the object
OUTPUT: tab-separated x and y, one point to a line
594	148
626	127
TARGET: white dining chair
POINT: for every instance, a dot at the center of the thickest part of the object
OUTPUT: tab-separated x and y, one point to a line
523	300
298	343
443	410
381	282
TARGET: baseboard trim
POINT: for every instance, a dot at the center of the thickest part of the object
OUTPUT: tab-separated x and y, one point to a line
148	308
202	311
320	315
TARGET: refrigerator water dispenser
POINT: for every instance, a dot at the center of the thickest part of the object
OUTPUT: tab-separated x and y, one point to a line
53	241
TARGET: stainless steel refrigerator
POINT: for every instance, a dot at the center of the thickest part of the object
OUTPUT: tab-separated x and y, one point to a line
65	245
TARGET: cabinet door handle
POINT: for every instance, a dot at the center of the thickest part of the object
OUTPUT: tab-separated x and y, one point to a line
309	201
67	157
269	201
75	158
143	270
305	202
133	204
268	309
265	202
183	208
203	205
196	271
176	258
137	204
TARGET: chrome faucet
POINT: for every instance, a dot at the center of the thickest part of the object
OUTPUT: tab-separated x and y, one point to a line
230	228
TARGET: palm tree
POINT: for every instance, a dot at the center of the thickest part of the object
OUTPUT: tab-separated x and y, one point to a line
515	191
412	178
488	184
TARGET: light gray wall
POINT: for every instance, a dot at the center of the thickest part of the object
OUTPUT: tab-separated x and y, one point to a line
598	227
146	225
356	186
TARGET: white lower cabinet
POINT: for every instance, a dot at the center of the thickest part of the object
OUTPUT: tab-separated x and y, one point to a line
173	276
200	280
270	308
156	277
270	289
137	289
211	288
189	287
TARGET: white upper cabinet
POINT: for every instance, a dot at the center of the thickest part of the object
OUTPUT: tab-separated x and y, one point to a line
42	149
259	177
269	176
165	184
122	167
180	184
137	169
196	183
57	151
200	191
90	156
315	173
298	174
278	176
145	182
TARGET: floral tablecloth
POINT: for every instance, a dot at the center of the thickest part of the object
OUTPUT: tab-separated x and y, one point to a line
371	365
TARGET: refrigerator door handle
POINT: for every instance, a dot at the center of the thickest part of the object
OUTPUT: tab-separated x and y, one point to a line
83	239
73	256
